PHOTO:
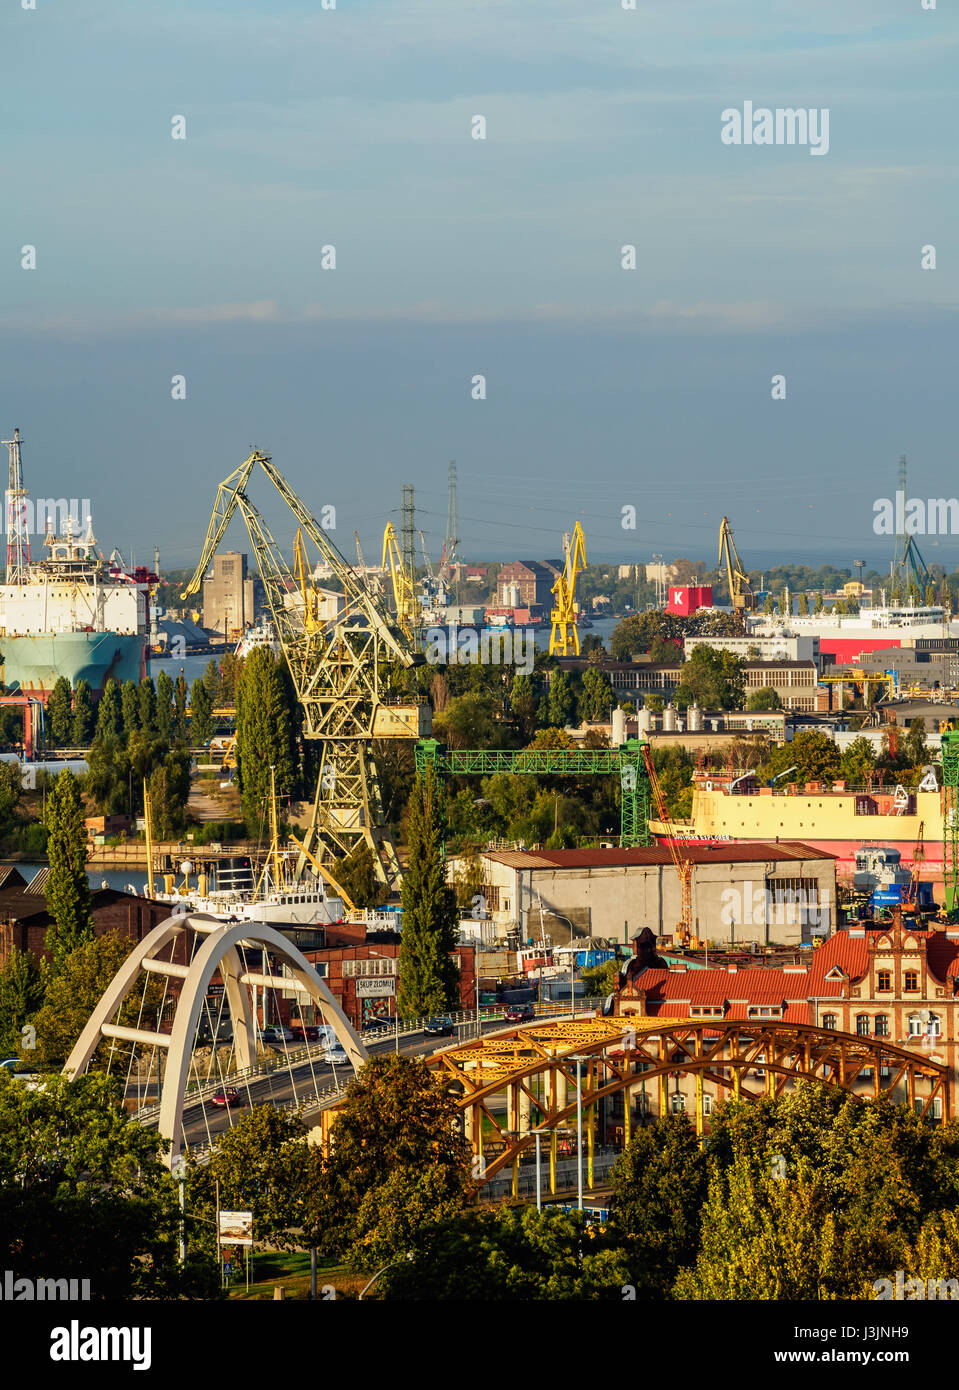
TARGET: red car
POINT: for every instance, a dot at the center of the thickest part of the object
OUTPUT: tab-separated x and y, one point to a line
519	1013
228	1097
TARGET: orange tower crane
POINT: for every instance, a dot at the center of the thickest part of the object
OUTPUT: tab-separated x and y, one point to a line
682	864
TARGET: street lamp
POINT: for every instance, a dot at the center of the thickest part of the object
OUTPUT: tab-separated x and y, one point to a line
572	953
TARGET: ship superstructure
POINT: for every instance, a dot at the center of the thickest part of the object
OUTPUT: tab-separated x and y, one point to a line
70	613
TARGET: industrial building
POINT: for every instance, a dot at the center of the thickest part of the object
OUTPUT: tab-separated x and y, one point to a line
795	682
229	596
782	893
527	583
780	647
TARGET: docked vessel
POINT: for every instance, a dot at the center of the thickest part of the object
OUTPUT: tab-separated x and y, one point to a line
71	613
262	635
843	637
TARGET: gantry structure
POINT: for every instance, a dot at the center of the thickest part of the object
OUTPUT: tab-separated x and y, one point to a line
627	761
340	668
510	1085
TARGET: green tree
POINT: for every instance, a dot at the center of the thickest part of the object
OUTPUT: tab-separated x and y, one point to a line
803	606
561	700
263	733
858	760
107	782
11	792
21	993
212	680
148	706
766	697
83	716
84	1194
712	680
511	1254
357	873
397	1164
72	993
597	698
164	707
524	702
658	1186
914	746
180	694
814	754
67	890
130	704
468	722
428	976
201	718
60	713
110	712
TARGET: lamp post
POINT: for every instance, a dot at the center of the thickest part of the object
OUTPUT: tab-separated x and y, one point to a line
572	953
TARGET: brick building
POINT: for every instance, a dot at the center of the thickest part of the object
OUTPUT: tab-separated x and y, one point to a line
533	578
362	974
24	918
894	982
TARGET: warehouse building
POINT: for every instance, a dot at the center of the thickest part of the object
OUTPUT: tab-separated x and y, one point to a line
782	893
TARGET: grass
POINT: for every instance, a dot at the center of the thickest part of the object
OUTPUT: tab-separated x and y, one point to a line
290	1271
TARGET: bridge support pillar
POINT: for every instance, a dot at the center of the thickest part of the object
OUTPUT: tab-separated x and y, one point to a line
525	1112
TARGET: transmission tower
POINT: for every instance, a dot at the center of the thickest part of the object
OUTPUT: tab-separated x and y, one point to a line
908	566
407	539
451	545
18	534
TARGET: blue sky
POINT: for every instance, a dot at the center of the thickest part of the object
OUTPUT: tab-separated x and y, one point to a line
455	256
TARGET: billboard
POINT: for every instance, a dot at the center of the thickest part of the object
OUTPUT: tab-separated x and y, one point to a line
376	987
236	1227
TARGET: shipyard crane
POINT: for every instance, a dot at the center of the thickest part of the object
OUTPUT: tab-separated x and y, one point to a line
359	551
426	560
309	608
918	860
339	671
741	594
682	864
565	635
404	583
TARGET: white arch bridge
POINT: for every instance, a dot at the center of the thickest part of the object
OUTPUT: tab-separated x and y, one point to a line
173	968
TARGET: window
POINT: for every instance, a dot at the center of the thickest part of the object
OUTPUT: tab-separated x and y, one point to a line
707	1105
910	980
862	1025
829	1020
934	1026
915	1026
884	980
679	1104
882	1025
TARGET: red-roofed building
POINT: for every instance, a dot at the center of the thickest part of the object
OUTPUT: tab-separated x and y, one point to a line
894	982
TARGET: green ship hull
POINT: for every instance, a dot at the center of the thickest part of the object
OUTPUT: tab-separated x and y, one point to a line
35	664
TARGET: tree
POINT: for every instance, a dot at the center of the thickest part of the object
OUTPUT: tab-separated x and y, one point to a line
467	722
179	709
201	716
164	707
357	874
711	679
858	760
914	744
107	782
21	993
212	680
130	704
263	733
597	698
561	701
11	792
766	697
84	1194
110	712
397	1164
524	703
659	1185
67	890
82	715
803	606
428	976
169	789
263	1164
148	706
515	1254
814	754
60	713
72	993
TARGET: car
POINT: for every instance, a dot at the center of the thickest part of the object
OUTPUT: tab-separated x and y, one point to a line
227	1096
307	1032
519	1013
277	1033
441	1026
10	1063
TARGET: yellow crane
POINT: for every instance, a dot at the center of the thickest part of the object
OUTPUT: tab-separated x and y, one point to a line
404	583
304	582
564	636
741	594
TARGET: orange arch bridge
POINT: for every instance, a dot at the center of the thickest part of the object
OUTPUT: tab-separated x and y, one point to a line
511	1084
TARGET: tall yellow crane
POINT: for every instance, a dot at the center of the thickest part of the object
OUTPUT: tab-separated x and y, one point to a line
340	670
741	594
404	583
304	582
564	635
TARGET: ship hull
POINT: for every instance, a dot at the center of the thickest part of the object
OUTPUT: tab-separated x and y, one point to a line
35	663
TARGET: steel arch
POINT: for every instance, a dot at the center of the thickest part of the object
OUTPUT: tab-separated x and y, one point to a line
218	952
620	1053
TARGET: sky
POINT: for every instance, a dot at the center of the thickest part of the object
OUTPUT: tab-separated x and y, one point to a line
499	258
